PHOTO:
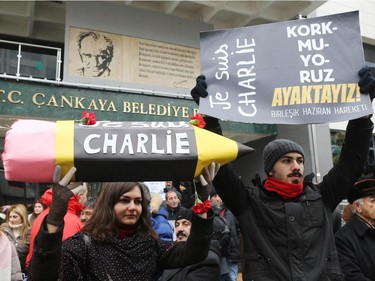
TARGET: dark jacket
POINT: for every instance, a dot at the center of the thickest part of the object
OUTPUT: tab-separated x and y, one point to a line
355	244
173	213
72	222
336	219
136	257
207	270
293	240
234	246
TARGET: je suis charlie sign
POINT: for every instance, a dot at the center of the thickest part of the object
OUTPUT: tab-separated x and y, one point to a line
294	72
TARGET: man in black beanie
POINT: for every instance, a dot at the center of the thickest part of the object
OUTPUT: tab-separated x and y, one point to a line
285	220
355	241
207	270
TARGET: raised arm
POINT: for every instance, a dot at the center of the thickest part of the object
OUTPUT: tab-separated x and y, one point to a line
337	183
227	183
196	248
47	244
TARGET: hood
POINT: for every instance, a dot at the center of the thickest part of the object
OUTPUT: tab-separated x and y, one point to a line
162	212
74	206
155	203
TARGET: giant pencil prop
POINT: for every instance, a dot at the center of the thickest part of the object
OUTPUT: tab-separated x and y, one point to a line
113	151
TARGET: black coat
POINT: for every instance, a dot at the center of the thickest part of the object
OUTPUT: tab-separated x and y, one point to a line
134	258
234	245
355	244
293	240
207	270
174	213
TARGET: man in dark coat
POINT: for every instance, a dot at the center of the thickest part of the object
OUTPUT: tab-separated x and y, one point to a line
173	204
207	270
230	261
355	241
285	220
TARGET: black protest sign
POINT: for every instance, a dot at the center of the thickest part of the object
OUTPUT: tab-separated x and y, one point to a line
294	72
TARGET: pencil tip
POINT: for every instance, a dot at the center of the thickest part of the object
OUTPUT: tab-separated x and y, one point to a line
244	150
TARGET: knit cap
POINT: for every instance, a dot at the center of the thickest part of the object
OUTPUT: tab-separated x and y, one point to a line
277	148
186	214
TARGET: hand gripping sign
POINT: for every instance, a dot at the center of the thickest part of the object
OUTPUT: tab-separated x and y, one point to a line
113	151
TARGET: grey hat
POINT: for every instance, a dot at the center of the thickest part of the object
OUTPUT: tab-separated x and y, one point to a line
277	148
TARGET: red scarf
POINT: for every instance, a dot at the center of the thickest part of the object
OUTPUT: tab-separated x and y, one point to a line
125	231
285	189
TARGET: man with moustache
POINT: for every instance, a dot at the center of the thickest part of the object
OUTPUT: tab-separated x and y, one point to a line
355	241
286	219
207	270
173	204
86	213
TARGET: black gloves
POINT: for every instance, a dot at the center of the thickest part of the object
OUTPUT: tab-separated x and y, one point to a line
367	82
204	186
200	89
60	196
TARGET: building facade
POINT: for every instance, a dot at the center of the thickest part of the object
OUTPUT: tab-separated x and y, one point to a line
137	61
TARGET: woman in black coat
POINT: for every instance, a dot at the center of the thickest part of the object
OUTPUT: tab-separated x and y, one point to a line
117	243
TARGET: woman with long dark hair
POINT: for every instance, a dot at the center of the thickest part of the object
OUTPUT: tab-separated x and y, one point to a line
117	243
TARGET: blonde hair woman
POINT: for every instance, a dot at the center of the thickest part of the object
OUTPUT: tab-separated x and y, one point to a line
17	229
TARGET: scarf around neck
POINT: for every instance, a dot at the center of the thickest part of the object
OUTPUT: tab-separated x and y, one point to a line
285	189
16	229
125	231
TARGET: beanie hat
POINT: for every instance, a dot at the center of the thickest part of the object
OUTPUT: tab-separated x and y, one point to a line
186	214
277	148
361	189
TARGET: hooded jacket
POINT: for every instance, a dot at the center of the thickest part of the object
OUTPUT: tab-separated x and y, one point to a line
159	217
72	222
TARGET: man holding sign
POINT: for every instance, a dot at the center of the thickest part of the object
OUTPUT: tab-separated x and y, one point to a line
285	220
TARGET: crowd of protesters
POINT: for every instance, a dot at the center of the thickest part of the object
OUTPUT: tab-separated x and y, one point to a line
285	223
24	226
